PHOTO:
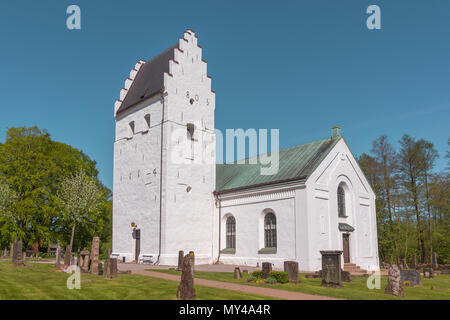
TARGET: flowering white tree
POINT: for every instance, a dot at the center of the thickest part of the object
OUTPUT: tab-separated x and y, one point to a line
7	199
80	196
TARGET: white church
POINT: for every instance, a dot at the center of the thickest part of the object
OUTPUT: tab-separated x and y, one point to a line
319	199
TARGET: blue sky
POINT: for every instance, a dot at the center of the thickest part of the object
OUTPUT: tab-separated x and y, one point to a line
298	66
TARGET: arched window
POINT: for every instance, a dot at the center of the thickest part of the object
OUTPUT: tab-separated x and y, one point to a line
231	233
341	201
270	231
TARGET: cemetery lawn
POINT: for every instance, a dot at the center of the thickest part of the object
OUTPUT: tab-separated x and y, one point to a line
431	289
38	281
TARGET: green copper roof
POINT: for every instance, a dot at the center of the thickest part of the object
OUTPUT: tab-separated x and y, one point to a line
346	227
296	163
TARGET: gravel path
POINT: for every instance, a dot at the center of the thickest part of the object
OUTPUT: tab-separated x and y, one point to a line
268	292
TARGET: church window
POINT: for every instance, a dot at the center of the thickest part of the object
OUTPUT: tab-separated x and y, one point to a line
341	201
270	230
231	233
147	122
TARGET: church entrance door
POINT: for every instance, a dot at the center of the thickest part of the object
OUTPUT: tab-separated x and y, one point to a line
346	247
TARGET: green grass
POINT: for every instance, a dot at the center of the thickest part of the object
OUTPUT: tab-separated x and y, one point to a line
431	289
40	282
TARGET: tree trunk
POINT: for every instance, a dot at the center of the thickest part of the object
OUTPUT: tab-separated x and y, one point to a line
427	196
71	238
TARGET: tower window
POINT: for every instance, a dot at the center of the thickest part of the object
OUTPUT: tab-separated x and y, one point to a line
131	128
147	122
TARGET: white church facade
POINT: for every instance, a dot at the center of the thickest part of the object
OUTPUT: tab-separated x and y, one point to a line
318	199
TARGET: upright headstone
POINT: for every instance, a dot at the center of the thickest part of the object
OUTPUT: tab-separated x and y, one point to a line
345	276
291	267
186	290
67	255
80	261
410	278
85	266
428	272
237	273
331	268
107	269
112	268
394	285
58	256
94	255
266	268
17	258
192	255
180	259
434	261
414	261
404	264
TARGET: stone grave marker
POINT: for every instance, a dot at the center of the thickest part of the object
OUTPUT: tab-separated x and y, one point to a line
186	290
237	273
95	250
414	261
404	264
192	255
245	271
112	268
331	268
434	261
17	258
394	285
85	255
107	270
428	273
291	267
67	255
345	276
411	276
180	259
266	268
58	256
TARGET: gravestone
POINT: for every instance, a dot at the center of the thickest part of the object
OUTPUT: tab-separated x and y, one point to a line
331	268
237	273
17	258
266	268
80	261
291	267
345	276
411	276
192	255
67	256
245	271
428	273
94	254
107	268
414	261
404	264
394	285
58	256
112	268
85	254
180	259
434	261
186	290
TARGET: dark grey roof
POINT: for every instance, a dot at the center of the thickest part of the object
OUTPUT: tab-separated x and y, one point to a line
149	80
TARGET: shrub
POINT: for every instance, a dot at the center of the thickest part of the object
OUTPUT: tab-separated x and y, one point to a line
257	274
252	278
271	280
281	277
